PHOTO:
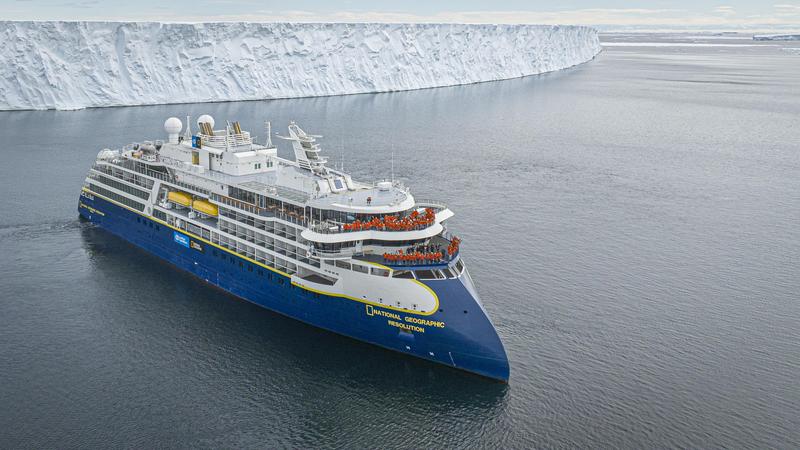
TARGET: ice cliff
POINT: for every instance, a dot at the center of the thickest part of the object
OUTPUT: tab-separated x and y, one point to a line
67	65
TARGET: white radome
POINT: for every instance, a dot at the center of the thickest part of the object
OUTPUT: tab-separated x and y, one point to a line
205	118
173	125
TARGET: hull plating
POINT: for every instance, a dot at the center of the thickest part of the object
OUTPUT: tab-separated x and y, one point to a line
458	335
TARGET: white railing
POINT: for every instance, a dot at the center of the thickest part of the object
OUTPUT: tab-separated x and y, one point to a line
272	212
428	203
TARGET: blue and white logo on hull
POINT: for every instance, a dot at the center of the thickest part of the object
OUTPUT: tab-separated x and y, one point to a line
180	239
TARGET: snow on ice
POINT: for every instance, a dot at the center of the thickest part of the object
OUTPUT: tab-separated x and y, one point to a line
70	65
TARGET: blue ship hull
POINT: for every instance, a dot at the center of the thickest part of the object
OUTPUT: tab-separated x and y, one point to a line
467	341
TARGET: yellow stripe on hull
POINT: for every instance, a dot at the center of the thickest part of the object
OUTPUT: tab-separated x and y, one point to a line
273	269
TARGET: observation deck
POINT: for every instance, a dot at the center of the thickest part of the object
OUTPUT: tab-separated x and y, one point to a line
423	222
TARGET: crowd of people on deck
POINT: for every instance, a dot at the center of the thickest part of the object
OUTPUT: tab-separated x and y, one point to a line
423	253
452	249
414	221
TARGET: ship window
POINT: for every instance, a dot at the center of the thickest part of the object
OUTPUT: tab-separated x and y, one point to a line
425	275
343	265
260	272
449	273
438	274
241	266
138	219
360	268
250	268
380	272
403	274
459	266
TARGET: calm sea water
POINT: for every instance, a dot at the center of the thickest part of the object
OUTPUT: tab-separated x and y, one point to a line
631	224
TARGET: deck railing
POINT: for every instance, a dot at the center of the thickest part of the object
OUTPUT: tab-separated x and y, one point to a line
333	227
330	227
428	203
258	211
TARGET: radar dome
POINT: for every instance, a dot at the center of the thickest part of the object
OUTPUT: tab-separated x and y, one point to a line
205	118
173	125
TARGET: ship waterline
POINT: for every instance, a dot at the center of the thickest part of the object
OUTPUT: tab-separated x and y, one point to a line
365	260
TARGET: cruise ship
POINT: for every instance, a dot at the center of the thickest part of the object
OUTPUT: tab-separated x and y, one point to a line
298	237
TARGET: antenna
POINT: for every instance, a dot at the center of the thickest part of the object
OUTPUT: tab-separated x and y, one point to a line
227	136
341	146
188	135
269	134
392	164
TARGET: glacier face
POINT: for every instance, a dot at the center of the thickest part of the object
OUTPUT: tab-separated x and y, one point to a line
69	65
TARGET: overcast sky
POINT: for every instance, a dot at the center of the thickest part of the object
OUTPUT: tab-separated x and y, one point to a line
679	13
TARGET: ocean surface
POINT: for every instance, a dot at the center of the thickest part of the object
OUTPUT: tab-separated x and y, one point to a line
632	225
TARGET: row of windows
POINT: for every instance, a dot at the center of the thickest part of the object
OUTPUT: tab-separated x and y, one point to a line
148	223
358	268
242	249
160	215
264	240
253	268
264	202
122	186
162	175
116	172
269	226
116	197
285	265
427	274
435	274
233	260
255	253
343	246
